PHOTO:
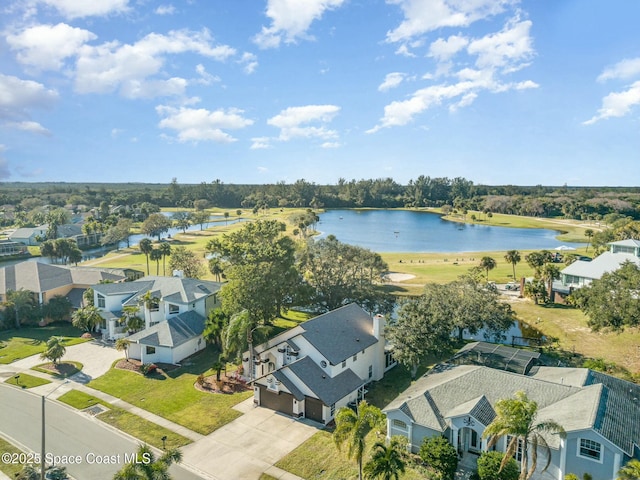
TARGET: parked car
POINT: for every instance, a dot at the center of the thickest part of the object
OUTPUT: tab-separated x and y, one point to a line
512	286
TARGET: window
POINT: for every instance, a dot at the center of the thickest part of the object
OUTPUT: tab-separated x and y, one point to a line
154	306
333	409
173	309
344	364
517	455
590	449
355	357
370	371
101	302
150	350
399	424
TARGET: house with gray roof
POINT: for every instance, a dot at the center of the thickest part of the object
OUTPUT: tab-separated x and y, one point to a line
581	273
46	281
600	414
320	365
174	311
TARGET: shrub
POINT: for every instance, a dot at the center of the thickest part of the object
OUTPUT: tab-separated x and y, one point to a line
489	467
440	455
148	368
571	476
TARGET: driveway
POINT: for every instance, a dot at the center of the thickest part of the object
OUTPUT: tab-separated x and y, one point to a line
95	357
248	446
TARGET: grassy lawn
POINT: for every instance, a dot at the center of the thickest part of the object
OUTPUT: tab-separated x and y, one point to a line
60	370
16	344
9	469
132	424
173	395
26	381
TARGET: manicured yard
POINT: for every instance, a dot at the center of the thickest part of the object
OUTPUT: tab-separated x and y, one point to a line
8	468
21	343
59	370
173	395
26	381
132	424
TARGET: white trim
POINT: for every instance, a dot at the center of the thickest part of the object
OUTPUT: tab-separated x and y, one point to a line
579	455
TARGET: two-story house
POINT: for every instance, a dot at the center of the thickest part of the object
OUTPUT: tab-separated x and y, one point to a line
174	311
320	365
600	414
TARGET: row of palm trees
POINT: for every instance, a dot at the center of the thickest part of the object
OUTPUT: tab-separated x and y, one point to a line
155	254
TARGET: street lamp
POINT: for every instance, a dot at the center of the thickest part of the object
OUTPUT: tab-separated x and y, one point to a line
43	453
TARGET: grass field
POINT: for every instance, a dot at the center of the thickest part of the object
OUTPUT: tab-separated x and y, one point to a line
134	425
26	341
173	395
8	468
26	381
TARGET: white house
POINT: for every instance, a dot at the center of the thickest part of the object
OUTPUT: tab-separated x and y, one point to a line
581	273
174	311
600	414
320	365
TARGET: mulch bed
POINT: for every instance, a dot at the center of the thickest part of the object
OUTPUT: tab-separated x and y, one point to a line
63	369
226	385
134	365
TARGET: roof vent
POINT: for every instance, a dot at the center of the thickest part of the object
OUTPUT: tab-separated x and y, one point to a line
357	339
324	376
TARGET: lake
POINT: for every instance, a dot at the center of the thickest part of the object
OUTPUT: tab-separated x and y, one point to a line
407	231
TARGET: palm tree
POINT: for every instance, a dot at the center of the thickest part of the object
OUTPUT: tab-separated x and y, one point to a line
165	248
631	471
148	467
513	257
55	350
131	319
386	463
550	272
214	327
146	246
215	267
352	428
86	318
487	263
156	255
589	234
122	345
19	300
516	417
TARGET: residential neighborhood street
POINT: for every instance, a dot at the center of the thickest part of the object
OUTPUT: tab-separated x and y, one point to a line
98	451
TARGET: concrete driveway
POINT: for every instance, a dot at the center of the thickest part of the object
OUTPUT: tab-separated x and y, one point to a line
250	445
95	356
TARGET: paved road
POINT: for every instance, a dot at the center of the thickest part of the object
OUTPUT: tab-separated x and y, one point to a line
68	433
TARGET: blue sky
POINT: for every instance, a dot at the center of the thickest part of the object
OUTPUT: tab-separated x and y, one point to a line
261	91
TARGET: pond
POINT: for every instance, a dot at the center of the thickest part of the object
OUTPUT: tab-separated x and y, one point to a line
407	231
520	334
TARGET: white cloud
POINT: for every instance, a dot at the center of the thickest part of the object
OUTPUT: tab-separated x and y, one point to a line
507	49
165	10
87	8
47	46
194	125
443	49
391	80
126	68
249	62
290	20
293	122
331	145
260	143
18	96
617	104
422	16
205	77
623	70
29	126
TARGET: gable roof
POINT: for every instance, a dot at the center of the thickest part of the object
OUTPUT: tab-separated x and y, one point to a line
630	242
328	389
41	277
168	289
172	332
604	263
341	333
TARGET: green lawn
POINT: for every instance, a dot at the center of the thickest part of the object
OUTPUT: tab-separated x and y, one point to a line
62	369
24	342
9	469
26	381
173	395
134	425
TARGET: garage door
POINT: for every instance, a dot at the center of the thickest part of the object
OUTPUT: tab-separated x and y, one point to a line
280	402
313	409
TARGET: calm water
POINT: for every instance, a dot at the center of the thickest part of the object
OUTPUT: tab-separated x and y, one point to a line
405	231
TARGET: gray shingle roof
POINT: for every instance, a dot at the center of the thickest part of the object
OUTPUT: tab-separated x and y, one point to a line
169	289
630	242
329	390
280	376
172	332
350	324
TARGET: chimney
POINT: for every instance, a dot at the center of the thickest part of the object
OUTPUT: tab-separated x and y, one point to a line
378	326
